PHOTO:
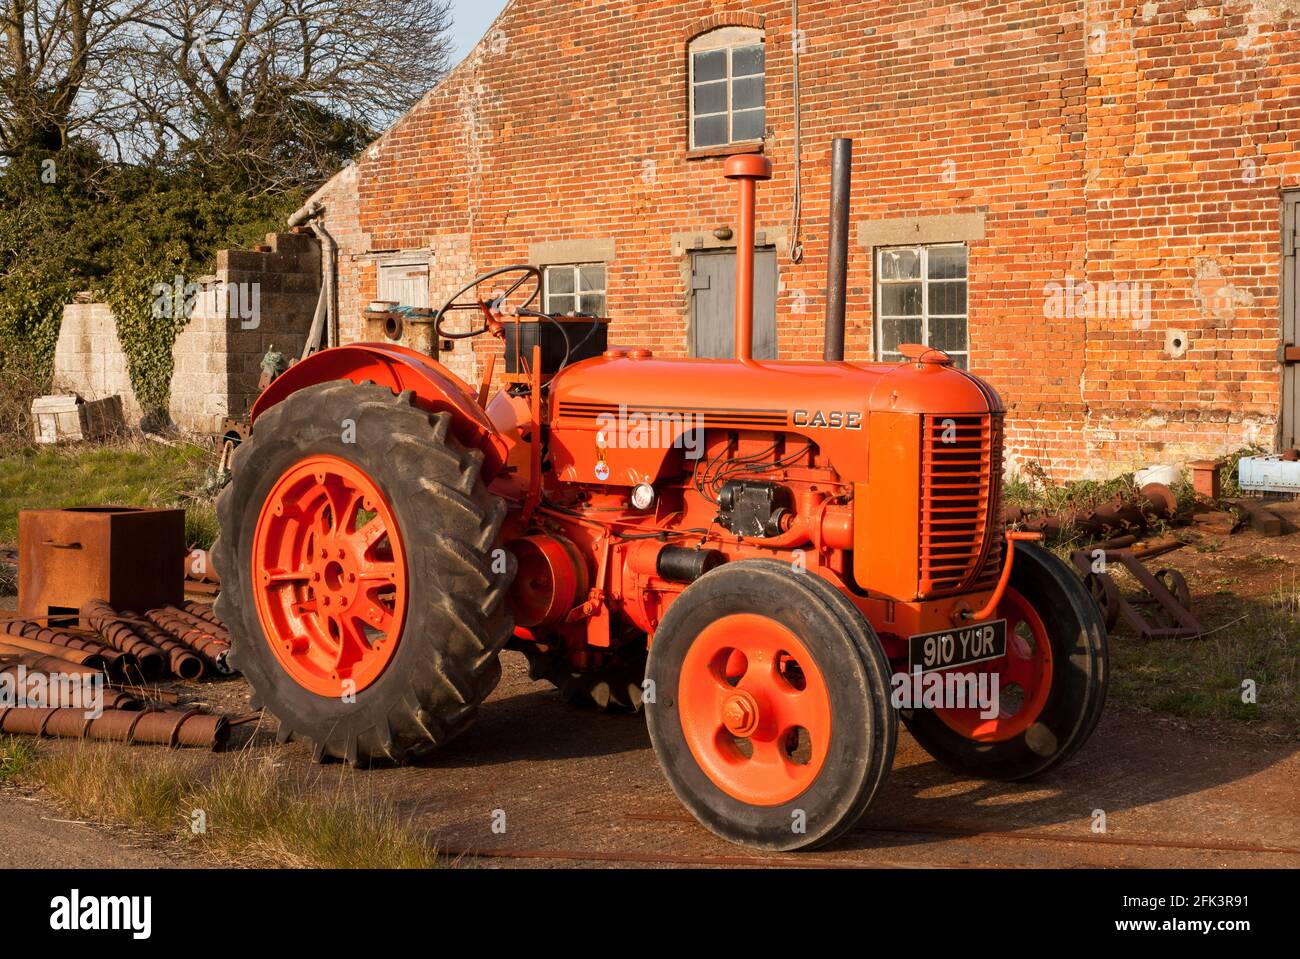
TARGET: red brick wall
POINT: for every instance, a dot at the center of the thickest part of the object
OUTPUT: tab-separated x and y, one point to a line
1102	140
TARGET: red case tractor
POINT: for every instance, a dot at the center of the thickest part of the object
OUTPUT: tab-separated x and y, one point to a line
764	556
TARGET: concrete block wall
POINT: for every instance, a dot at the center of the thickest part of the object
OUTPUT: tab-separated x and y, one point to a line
256	301
88	357
200	396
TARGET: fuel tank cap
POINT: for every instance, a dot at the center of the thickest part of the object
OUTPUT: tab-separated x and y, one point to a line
925	354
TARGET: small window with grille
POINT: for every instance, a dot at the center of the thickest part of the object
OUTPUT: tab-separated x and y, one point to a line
921	298
728	88
575	289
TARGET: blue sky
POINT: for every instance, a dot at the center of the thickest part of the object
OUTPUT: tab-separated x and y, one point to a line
471	20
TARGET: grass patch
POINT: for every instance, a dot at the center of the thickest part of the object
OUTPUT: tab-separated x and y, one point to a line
1202	678
251	812
122	473
201	523
1032	490
16	757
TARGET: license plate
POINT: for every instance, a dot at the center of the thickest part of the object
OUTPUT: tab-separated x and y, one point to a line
961	646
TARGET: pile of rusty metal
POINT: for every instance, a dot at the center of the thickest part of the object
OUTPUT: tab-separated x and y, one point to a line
1163	608
102	611
185	642
1156	503
1165	593
48	675
127	722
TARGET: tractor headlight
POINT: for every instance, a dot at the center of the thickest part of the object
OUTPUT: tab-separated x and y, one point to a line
643	497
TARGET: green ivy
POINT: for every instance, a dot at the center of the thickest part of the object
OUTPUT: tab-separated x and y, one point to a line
117	232
31	311
146	333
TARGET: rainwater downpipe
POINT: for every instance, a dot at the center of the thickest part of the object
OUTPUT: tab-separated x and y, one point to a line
326	319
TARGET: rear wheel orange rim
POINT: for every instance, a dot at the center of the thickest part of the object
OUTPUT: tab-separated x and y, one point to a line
330	576
1023	677
754	709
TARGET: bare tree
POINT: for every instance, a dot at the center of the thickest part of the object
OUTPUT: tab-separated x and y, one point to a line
273	92
58	60
280	87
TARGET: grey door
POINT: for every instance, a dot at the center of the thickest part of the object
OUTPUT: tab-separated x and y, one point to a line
1290	321
713	304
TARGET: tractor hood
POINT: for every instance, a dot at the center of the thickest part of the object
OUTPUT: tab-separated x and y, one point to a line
830	403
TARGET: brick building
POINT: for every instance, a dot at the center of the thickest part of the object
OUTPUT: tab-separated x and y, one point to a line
1082	199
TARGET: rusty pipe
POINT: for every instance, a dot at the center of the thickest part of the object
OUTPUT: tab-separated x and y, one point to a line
34	632
148	727
201	640
203	611
48	682
746	169
837	259
185	663
991	606
149	693
216	629
199	568
11	656
108	623
11	644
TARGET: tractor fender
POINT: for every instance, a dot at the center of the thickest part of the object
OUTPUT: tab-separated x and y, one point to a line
399	368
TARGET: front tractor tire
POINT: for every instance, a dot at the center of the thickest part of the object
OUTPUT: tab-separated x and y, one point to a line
1052	680
771	717
365	603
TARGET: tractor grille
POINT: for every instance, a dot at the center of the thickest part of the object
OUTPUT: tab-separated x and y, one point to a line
961	503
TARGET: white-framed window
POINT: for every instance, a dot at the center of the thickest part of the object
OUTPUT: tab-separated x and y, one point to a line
921	298
728	87
575	288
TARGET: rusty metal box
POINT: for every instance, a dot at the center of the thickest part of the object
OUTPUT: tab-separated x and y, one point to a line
131	558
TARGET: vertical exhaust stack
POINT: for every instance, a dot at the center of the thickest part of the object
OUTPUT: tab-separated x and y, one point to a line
837	267
746	169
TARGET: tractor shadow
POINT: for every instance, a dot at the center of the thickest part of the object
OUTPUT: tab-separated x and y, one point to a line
570	754
1133	760
1129	763
525	720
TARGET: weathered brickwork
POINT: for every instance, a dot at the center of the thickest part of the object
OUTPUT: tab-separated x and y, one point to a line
1142	145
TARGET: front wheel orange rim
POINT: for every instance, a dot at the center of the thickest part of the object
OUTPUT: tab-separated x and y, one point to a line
1023	677
754	709
329	576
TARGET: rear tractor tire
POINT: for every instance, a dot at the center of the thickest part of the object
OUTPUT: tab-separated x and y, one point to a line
771	715
365	603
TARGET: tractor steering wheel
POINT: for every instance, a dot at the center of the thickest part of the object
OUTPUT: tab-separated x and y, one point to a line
489	308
